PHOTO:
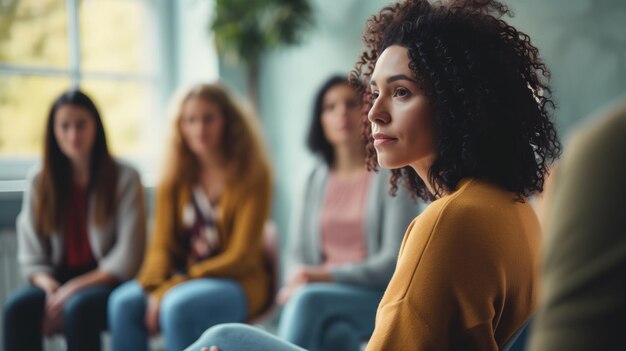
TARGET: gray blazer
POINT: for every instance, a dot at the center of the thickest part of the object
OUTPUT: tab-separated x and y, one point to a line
387	219
118	246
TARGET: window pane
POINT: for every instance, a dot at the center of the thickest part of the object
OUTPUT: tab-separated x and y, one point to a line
24	105
123	107
33	32
114	36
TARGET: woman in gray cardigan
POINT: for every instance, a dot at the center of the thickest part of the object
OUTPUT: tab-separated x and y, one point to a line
81	231
346	235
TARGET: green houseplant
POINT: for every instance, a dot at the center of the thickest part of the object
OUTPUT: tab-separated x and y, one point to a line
245	29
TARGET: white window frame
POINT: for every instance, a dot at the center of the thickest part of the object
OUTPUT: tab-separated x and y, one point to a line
13	169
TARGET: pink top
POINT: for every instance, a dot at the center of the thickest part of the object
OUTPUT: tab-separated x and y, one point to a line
342	221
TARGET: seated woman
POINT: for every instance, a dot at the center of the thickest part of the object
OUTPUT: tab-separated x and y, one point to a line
347	233
460	109
81	232
204	265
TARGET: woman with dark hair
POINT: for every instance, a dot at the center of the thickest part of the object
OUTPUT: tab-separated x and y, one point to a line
204	265
346	233
460	108
81	232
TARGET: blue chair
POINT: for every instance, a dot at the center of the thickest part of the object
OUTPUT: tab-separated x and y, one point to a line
518	341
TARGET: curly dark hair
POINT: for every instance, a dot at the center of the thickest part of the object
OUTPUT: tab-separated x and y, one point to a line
487	85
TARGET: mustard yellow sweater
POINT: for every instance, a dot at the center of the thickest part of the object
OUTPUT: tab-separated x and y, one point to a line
244	209
466	277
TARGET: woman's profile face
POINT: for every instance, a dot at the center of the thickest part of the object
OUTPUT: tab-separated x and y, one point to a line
402	119
341	116
202	123
74	131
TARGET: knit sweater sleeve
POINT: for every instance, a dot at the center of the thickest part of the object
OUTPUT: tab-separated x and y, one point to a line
33	248
300	231
124	258
246	236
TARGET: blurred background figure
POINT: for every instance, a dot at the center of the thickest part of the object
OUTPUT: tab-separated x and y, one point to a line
204	265
81	231
583	303
346	234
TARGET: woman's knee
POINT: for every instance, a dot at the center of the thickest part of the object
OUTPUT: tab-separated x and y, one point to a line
76	312
303	316
309	299
85	308
221	330
173	306
128	298
24	301
186	301
226	333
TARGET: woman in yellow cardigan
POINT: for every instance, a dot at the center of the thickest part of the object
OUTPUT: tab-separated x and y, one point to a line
205	262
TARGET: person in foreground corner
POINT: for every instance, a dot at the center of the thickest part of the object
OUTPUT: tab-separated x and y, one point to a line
585	309
460	109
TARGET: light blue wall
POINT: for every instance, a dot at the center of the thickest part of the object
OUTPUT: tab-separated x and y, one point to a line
584	44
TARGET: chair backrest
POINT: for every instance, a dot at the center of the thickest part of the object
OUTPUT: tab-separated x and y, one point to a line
518	341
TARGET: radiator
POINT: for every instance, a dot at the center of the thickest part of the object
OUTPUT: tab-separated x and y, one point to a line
9	271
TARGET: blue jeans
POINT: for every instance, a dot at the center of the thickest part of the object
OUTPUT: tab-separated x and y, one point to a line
186	311
330	316
84	317
239	337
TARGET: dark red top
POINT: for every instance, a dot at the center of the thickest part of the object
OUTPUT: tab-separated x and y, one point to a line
77	248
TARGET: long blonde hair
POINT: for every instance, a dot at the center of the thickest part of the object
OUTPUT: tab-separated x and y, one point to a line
242	150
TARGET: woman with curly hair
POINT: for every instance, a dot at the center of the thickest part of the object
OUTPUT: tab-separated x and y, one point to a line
460	109
204	265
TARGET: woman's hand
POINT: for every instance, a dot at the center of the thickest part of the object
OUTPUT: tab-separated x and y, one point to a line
213	348
310	274
45	282
53	317
297	280
317	274
152	316
285	293
300	277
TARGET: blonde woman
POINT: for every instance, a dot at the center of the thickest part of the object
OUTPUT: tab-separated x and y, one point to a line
205	262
